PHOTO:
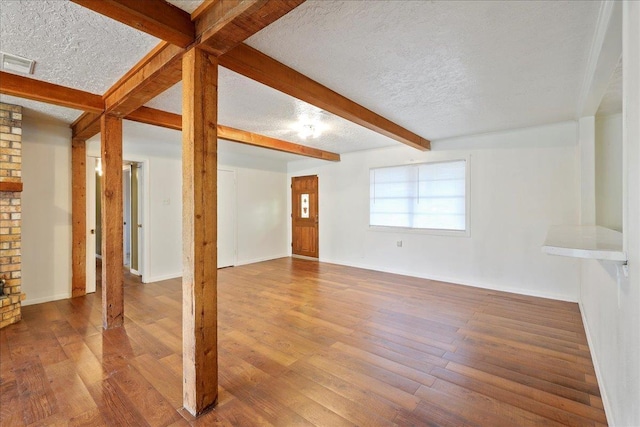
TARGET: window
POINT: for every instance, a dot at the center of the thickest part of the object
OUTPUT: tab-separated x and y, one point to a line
420	196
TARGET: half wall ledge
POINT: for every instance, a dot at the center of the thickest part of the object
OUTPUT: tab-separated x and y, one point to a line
585	241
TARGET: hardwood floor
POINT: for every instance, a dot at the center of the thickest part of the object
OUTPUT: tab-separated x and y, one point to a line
306	343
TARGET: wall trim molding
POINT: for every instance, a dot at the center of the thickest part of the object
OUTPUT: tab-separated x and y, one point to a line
160	278
56	297
608	410
604	54
261	259
456	281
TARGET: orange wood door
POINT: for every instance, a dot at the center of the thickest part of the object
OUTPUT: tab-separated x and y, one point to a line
304	218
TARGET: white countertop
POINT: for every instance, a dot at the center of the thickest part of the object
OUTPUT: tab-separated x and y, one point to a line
585	241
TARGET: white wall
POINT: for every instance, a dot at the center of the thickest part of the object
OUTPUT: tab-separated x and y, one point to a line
162	189
608	173
610	303
522	182
262	215
46	209
164	233
46	240
261	199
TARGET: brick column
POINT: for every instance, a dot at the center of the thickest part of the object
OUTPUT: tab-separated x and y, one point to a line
10	213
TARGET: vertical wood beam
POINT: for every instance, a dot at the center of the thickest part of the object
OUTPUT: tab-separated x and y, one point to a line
199	230
112	227
78	218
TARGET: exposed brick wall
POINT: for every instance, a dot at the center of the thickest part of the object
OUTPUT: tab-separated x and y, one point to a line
10	213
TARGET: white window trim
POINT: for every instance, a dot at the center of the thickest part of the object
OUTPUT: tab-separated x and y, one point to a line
432	231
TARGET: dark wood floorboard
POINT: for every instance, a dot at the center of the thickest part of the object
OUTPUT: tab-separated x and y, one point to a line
307	344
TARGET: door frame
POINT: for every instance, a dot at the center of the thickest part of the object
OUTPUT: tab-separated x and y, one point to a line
144	245
90	241
144	193
127	229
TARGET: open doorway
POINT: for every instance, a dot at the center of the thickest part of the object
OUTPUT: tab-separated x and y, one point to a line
132	219
133	207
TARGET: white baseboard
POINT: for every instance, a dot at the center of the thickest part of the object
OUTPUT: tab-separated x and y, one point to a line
160	278
33	301
456	281
255	260
135	272
608	411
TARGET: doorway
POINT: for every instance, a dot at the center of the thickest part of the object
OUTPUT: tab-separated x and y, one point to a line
304	216
133	209
126	213
92	251
131	221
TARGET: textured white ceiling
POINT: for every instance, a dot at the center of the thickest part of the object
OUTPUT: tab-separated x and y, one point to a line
612	100
439	68
443	68
187	5
72	46
143	139
63	114
246	104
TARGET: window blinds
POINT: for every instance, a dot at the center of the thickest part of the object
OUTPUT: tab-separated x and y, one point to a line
425	196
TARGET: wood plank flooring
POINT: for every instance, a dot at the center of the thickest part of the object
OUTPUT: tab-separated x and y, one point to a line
307	344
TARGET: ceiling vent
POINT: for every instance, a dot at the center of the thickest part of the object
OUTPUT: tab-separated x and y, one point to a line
17	64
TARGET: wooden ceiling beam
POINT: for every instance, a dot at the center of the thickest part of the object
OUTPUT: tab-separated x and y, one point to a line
254	64
154	117
174	121
156	17
37	90
222	25
86	126
155	73
249	138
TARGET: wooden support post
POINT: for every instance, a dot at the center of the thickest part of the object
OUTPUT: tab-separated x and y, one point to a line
112	227
78	218
199	230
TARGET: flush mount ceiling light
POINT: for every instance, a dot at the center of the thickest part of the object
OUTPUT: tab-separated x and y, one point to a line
308	130
17	64
309	126
311	121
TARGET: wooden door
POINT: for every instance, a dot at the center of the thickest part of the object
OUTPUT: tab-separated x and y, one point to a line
304	217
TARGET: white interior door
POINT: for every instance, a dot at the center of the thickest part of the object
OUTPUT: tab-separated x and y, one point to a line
91	224
226	218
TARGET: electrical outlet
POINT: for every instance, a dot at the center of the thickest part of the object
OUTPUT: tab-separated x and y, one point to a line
399	243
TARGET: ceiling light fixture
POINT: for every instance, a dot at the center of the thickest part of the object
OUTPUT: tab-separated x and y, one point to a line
311	121
308	130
